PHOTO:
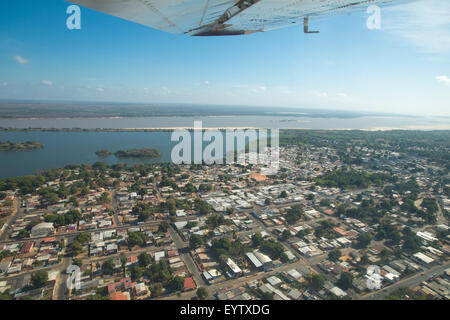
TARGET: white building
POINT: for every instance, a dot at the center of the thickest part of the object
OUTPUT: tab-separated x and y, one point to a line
42	229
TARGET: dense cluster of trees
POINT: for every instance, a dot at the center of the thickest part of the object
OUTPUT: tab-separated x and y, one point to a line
216	220
70	217
39	279
272	248
294	214
136	239
202	207
138	153
224	248
143	210
20	146
315	281
345	178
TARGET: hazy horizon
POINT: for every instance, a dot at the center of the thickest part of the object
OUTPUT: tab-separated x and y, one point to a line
404	68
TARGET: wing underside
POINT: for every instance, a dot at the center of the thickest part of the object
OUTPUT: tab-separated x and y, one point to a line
223	17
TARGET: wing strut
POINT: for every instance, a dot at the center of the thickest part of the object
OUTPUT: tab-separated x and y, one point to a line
306	26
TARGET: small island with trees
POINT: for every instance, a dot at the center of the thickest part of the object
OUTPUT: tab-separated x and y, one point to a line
139	153
103	153
142	153
20	146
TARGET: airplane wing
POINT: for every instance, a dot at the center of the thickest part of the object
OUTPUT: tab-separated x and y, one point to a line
224	17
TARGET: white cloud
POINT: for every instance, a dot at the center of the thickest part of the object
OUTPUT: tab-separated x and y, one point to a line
425	24
100	89
259	89
47	82
342	95
3	84
443	80
321	94
21	60
207	82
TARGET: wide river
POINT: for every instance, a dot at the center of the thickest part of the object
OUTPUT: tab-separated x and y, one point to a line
62	148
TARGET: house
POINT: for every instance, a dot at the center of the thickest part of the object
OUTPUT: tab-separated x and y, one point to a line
119	296
189	284
235	270
42	229
141	289
27	247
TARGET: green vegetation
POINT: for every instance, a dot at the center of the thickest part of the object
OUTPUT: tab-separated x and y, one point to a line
334	255
39	279
225	248
364	240
108	267
176	284
143	210
274	250
202	207
315	281
103	153
406	294
202	293
345	281
136	239
139	153
195	241
344	179
70	217
294	214
216	220
144	259
20	146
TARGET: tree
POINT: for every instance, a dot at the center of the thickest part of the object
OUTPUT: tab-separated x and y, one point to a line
39	279
285	235
83	238
144	259
156	290
176	284
202	293
136	272
136	239
195	241
202	207
334	255
77	262
77	248
163	227
283	194
315	281
104	198
267	295
294	214
345	281
108	267
364	260
364	240
257	239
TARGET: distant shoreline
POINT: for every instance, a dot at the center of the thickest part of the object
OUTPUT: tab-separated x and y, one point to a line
171	129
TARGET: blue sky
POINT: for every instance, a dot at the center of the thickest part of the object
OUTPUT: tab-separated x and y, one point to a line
402	68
